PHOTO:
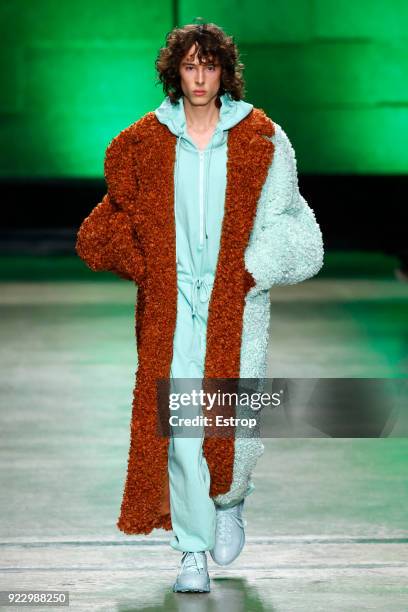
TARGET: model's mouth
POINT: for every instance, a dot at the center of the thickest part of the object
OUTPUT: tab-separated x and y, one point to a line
199	92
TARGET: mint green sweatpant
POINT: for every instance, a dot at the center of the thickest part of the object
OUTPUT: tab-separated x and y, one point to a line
193	512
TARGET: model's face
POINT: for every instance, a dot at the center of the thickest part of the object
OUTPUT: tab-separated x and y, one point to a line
194	76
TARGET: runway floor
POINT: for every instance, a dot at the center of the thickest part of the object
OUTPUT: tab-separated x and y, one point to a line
327	523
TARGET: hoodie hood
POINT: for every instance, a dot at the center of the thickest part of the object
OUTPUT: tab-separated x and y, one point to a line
173	115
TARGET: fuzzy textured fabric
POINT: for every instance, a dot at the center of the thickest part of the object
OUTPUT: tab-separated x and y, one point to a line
285	247
269	236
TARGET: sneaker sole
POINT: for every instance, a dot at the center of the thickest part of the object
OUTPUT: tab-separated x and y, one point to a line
177	589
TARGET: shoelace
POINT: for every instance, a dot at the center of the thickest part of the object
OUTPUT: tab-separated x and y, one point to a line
193	560
224	525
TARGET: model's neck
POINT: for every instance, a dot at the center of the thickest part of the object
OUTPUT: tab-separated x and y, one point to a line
201	117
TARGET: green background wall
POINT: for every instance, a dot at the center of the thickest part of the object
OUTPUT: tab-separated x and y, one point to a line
332	73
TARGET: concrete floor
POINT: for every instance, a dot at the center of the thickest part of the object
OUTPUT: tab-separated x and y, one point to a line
327	524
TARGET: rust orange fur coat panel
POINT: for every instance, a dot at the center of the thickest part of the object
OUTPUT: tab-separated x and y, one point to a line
131	232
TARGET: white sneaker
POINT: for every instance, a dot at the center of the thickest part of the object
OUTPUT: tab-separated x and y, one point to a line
193	574
229	534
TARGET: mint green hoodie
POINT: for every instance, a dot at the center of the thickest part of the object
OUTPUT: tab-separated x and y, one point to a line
199	194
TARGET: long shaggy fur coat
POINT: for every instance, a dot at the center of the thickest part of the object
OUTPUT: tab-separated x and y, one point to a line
269	237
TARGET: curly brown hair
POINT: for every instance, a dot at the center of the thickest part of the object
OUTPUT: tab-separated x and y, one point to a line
211	43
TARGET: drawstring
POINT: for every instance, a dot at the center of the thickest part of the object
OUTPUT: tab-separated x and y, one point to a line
176	181
198	285
206	190
200	292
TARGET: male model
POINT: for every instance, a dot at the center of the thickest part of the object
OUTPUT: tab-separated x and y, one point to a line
204	213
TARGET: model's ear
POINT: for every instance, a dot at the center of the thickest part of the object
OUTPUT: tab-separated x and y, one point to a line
120	170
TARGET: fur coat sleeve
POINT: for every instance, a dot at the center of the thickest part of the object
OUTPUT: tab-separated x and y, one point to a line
106	239
286	244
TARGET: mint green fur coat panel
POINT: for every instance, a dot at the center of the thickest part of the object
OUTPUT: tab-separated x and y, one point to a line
285	247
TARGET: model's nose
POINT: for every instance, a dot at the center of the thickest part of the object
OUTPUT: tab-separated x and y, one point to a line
200	76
